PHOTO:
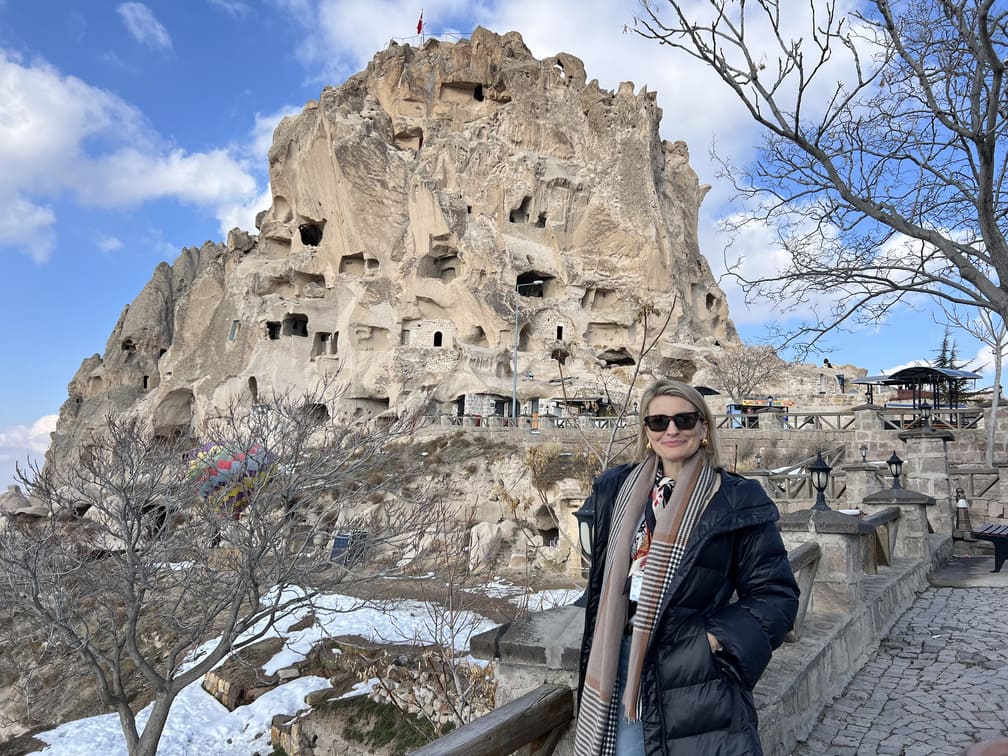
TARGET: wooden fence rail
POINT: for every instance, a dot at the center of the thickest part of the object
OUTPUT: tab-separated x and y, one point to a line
886	523
538	718
804	562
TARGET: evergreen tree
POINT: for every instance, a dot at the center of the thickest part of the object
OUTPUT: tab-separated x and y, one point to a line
947	357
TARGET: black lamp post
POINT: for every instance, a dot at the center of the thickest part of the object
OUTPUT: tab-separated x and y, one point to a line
819	472
864	453
585	517
896	468
925	409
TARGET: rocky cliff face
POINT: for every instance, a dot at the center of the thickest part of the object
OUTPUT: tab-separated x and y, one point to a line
414	208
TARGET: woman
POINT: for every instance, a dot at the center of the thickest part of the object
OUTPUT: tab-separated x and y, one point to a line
668	661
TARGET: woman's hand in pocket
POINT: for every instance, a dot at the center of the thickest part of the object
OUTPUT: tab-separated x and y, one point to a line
715	644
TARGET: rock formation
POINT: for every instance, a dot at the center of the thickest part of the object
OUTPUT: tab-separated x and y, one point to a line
414	208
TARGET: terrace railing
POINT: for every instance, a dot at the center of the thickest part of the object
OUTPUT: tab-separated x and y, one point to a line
908	418
819	420
539	718
792	483
886	523
804	562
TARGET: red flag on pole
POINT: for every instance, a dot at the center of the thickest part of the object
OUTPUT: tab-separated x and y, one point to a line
419	24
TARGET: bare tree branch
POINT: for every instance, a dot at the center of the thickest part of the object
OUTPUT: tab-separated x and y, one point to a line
741	371
150	572
882	165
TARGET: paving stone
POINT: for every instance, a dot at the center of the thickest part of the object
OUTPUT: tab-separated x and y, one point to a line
937	683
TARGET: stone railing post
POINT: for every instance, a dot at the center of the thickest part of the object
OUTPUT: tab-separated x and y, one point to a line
927	468
861	480
848	553
543	648
912	536
866	422
771	421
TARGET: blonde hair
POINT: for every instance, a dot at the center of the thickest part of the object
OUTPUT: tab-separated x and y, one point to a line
666	387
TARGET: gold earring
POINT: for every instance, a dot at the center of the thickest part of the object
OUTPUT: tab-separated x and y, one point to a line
703	443
648	447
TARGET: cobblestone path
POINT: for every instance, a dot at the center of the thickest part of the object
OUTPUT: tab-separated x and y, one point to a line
938	683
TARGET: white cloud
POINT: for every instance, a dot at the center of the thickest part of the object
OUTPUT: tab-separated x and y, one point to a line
901	366
60	134
129	176
47	118
242	215
109	244
26	226
262	131
754	252
18	443
143	26
234	8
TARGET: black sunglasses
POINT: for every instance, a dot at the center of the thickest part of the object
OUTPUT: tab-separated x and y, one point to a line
682	420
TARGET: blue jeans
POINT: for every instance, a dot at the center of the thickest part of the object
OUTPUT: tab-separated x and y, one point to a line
629	735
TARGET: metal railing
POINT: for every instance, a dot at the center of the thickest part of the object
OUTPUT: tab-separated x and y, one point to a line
839	420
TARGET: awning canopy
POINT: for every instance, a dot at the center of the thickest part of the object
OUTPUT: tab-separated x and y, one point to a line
918	374
945	383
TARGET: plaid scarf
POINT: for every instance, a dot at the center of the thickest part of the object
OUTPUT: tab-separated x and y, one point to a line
599	711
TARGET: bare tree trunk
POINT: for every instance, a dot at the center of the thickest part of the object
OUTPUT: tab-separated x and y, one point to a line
995	400
148	743
127	720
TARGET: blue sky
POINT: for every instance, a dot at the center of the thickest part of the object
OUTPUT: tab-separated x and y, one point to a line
130	130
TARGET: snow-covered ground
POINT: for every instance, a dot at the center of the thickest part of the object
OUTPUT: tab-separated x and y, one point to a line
536	602
199	724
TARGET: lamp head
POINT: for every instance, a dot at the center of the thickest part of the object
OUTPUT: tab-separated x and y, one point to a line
819	472
896	468
585	517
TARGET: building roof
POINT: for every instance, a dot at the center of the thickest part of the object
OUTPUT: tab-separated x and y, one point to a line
919	374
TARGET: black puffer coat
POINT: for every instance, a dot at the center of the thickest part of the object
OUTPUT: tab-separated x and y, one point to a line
695	702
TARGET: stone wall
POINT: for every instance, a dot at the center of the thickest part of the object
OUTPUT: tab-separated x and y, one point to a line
805	676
